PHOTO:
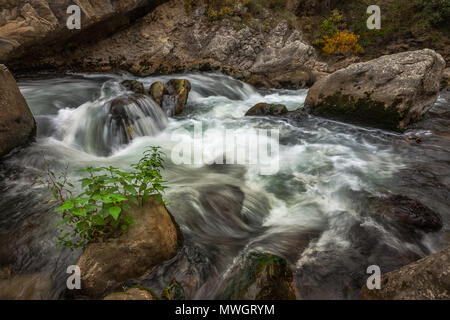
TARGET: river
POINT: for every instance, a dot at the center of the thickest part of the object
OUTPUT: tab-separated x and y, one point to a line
311	211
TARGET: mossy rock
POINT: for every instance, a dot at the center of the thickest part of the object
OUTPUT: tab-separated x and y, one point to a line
261	277
360	111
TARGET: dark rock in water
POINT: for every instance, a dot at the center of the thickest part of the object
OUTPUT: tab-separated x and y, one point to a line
157	91
135	86
296	115
131	294
17	125
405	211
267	109
261	277
426	279
154	239
178	91
389	92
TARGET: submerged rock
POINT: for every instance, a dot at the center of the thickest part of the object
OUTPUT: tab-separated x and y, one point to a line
428	278
130	294
404	211
267	109
154	239
134	85
389	92
17	125
260	277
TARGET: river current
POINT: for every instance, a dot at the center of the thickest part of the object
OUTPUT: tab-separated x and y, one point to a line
311	211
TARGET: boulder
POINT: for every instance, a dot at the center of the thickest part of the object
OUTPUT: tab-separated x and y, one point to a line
154	239
267	109
134	86
157	91
425	279
17	125
131	294
175	100
389	92
261	276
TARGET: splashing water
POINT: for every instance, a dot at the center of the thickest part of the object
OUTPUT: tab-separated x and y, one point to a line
307	212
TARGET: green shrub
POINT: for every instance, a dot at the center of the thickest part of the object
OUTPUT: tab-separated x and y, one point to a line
98	211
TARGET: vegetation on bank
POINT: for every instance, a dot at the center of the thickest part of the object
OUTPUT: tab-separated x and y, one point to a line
98	211
339	27
405	24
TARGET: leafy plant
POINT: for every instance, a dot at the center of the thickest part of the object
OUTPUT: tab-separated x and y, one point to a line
332	24
98	211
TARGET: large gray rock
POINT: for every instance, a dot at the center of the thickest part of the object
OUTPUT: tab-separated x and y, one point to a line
154	239
425	279
389	92
17	125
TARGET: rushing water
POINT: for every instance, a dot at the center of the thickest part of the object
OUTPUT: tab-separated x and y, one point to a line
311	211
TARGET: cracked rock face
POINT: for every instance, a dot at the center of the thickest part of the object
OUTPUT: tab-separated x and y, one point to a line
27	23
170	40
390	92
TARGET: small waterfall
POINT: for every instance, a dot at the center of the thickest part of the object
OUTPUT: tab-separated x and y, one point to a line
102	126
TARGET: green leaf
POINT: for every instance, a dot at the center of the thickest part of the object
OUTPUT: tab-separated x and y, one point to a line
115	211
66	206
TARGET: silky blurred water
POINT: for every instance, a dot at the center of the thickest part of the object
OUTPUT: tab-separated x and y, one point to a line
307	212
